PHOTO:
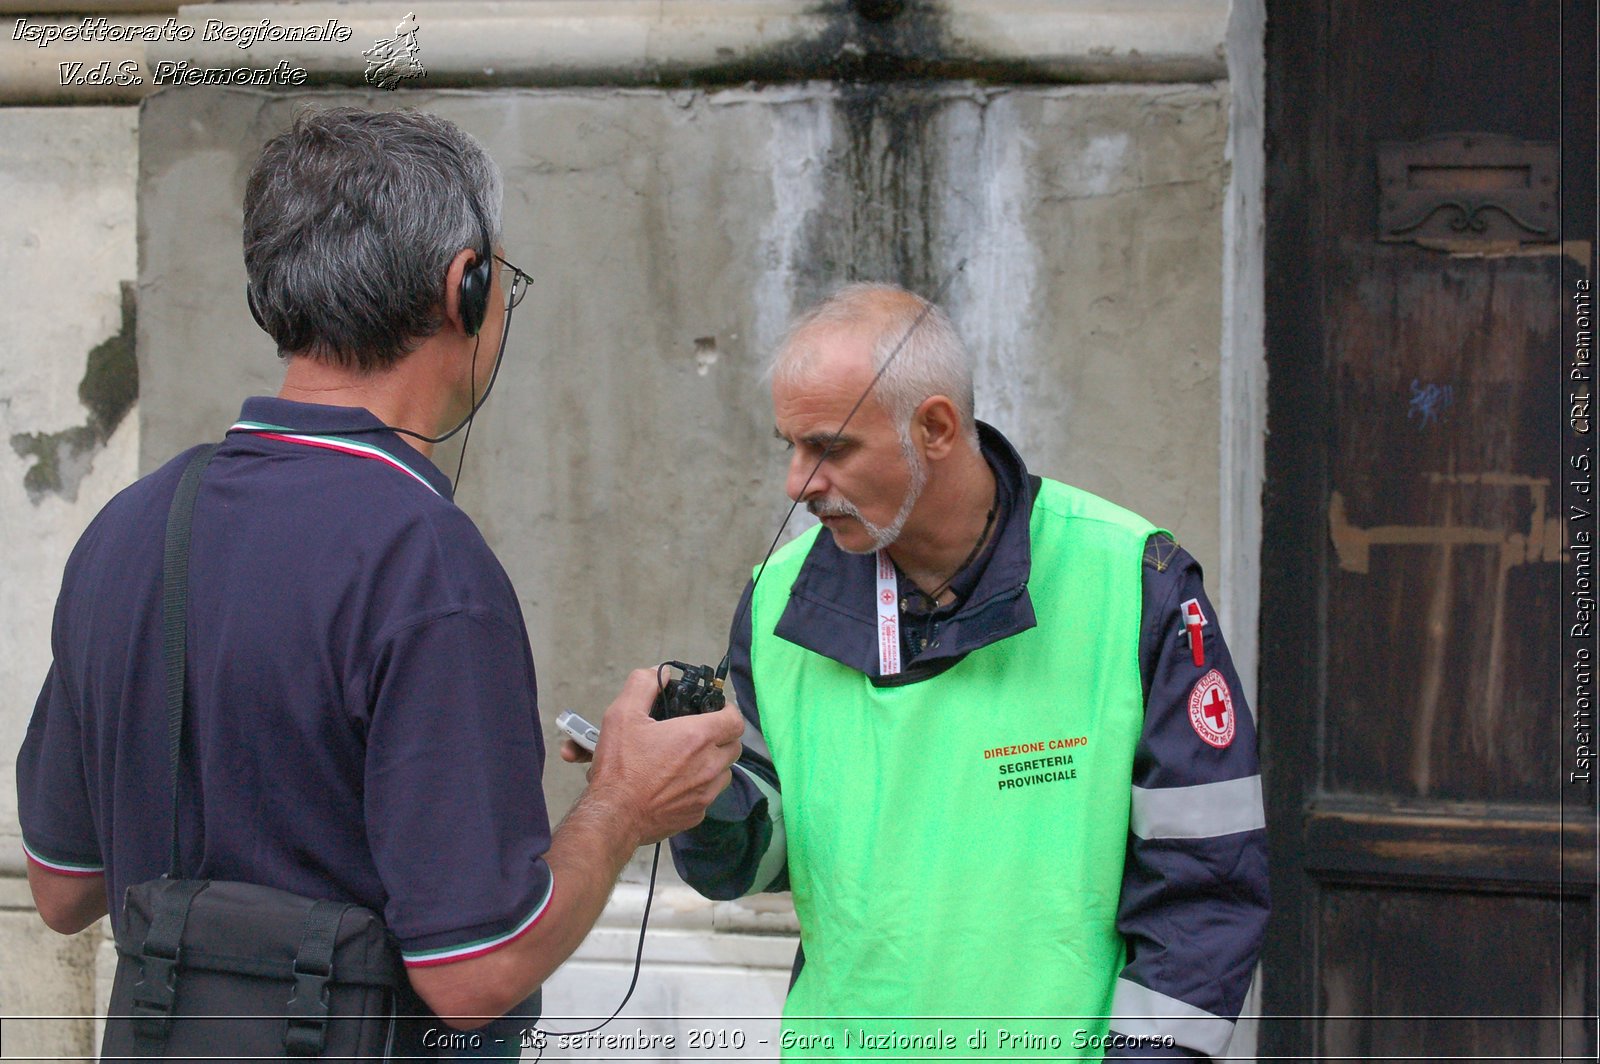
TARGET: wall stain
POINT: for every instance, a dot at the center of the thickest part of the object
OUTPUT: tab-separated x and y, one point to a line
891	172
884	42
108	390
877	40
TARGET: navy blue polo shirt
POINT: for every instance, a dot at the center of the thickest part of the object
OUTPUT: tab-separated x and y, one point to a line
363	724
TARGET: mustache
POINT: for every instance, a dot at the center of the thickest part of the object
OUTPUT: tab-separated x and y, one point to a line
831	508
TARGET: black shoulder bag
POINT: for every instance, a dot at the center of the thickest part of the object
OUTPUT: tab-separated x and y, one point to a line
211	969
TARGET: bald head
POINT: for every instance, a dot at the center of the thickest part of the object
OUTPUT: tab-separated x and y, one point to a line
857	329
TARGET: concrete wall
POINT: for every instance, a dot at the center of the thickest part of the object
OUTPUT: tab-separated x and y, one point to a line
625	470
69	427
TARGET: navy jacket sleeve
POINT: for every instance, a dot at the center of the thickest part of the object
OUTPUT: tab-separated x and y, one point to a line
739	848
1194	895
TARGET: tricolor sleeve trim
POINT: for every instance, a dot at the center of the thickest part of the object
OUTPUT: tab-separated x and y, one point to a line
63	868
467	950
1139	1012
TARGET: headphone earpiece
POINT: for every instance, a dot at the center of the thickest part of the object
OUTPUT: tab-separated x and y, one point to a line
475	283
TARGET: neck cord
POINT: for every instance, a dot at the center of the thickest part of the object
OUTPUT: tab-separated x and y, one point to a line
933	596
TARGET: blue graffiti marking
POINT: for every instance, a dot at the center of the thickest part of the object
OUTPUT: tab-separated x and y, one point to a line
1431	401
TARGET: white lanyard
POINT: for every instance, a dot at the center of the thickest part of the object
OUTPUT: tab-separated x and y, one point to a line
888	616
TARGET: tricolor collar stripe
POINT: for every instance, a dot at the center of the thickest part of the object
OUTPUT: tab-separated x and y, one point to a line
468	950
331	443
65	868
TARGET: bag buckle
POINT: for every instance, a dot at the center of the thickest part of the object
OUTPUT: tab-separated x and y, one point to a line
305	1034
154	995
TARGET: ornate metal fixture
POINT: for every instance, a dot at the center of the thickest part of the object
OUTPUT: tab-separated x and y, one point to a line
1468	188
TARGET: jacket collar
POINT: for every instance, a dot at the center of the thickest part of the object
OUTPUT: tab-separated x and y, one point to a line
831	612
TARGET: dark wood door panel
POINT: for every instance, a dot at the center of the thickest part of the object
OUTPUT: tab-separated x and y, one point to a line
1415	69
1449	845
1444	463
1410	702
1409	974
1443	583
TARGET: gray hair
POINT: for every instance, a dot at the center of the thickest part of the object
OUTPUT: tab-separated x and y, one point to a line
933	360
351	219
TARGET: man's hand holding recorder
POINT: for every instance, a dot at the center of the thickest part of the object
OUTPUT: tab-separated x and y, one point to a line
648	780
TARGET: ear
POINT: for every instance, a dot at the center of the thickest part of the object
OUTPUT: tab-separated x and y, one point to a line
939	424
464	260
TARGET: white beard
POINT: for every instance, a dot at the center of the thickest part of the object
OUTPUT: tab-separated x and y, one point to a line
882	536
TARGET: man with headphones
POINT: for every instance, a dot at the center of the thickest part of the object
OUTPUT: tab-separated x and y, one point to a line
364	725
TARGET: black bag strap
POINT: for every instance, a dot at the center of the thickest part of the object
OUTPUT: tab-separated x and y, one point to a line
157	990
306	1032
156	993
175	619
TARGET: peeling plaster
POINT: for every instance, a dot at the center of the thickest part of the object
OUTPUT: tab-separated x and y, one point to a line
108	390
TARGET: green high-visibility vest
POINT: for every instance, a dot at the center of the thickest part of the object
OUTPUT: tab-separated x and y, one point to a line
955	845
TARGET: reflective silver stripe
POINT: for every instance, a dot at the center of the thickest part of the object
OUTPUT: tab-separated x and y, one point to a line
777	854
755	742
1204	811
1139	1012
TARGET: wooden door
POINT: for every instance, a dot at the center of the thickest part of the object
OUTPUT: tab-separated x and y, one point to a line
1434	878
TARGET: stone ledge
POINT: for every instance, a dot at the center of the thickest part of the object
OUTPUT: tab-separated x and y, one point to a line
531	43
86	7
14	893
12	862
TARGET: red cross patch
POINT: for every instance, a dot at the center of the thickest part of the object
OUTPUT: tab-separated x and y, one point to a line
1211	709
886	597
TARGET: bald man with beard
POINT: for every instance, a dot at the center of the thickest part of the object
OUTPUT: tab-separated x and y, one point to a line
996	746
